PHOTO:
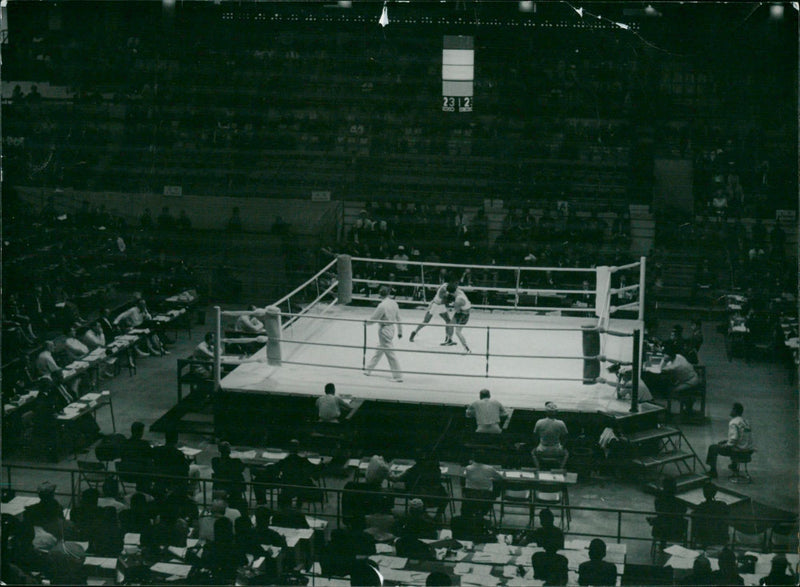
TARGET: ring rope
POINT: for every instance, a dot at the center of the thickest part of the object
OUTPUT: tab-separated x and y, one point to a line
487	306
431	373
492	267
617	290
435	352
471	288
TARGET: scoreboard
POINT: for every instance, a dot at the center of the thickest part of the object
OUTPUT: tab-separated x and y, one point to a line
458	73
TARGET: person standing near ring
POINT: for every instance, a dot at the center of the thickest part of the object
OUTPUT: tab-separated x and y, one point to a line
386	315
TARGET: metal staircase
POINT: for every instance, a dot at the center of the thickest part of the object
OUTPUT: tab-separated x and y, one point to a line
666	451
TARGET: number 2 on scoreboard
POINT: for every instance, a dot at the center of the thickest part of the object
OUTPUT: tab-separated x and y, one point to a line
448	104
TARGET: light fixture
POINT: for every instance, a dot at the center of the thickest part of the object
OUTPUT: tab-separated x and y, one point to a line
526	6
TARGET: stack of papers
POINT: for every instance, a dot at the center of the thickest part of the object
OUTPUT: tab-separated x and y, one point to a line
243	454
274	455
172	569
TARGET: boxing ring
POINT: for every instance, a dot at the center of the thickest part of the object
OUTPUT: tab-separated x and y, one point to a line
530	344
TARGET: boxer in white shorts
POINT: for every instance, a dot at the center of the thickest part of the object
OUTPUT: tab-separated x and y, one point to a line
438	306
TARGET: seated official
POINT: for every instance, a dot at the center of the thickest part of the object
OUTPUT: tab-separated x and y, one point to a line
136	317
728	571
670	523
47	512
204	352
680	376
219	508
73	347
596	571
473	527
552	434
710	520
701	572
138	517
86	515
416	523
299	472
549	566
262	530
222	555
740	438
228	474
479	483
780	573
136	457
488	413
330	406
168	460
45	363
548	530
424	479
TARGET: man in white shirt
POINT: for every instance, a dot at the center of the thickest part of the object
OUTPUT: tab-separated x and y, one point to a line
330	406
94	337
76	350
386	315
488	413
740	438
249	323
45	363
551	433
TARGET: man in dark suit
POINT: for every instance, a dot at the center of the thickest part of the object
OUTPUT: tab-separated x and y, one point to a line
710	520
596	571
168	460
298	471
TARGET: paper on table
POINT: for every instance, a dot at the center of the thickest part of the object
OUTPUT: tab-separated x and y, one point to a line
274	455
678	550
177	551
462	568
101	561
131	538
496	547
479	579
176	569
576	544
390	562
680	562
523	582
191	542
544	476
243	454
316	523
510	571
382	548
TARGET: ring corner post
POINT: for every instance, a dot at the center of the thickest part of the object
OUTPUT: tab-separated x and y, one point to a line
217	348
272	325
344	269
635	373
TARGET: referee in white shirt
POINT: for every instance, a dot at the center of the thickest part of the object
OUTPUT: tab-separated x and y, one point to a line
386	315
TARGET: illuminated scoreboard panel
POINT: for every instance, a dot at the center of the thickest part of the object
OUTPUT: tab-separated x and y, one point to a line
458	73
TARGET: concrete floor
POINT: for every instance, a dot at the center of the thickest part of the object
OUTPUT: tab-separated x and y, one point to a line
771	404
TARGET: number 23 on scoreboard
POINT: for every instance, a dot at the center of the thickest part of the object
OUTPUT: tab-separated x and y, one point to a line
462	103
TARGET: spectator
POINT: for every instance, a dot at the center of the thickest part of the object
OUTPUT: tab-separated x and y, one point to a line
779	573
377	471
488	413
109	329
47	512
695	340
223	556
551	433
206	524
669	524
596	571
94	337
424	479
330	406
235	221
701	572
169	461
166	221
228	474
710	520
681	378
134	317
246	537
548	531
138	517
479	483
549	566
106	538
739	439
86	515
74	348
136	456
728	572
417	523
184	223
45	363
300	472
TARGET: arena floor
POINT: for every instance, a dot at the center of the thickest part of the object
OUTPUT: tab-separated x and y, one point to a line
441	375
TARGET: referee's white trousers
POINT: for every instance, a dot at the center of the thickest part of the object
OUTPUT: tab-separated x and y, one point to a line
385	347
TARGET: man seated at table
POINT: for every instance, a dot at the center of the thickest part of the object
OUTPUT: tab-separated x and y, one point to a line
548	530
228	475
73	347
135	317
710	520
168	460
416	523
136	457
473	527
551	433
45	363
488	413
780	572
204	352
680	377
424	479
47	513
740	438
87	514
596	571
479	483
218	509
549	566
330	406
94	338
300	472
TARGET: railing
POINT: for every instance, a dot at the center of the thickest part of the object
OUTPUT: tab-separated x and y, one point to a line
626	521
